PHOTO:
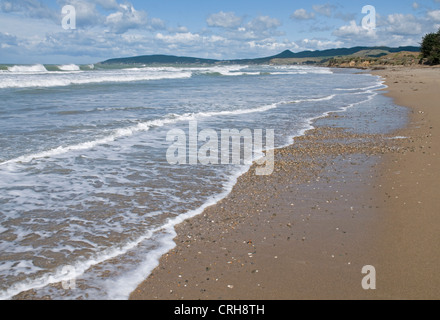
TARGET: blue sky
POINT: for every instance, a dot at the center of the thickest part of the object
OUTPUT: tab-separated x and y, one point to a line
31	30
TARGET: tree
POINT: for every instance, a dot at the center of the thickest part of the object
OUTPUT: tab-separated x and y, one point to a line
431	47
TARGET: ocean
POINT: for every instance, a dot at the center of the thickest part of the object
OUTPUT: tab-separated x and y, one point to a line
88	198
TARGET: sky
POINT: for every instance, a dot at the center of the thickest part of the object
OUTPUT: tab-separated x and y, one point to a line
31	31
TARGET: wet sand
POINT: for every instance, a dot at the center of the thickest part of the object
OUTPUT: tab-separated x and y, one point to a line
337	201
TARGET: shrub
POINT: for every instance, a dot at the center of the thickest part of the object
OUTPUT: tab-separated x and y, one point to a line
431	48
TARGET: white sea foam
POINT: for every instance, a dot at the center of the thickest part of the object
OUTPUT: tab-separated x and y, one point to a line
233	70
326	98
2	229
38	68
125	132
308	123
60	275
69	67
376	86
239	70
317	71
297	69
123	286
145	126
39	76
92	77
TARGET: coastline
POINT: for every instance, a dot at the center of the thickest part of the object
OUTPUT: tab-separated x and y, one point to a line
306	231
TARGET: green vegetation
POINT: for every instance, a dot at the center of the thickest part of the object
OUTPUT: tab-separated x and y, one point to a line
403	58
431	48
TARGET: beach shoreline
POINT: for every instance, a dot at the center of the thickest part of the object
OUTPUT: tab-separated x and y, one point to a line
305	232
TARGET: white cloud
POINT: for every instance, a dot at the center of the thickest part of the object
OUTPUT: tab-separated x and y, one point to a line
113	28
29	8
317	44
434	15
224	20
178	37
157	24
180	29
392	30
86	13
108	29
354	30
26	28
126	18
271	45
189	38
345	16
302	14
6	38
259	28
400	24
263	24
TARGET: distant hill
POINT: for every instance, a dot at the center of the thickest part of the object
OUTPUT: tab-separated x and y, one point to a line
160	59
340	52
287	57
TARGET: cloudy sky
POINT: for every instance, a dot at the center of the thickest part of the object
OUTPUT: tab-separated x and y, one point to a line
31	30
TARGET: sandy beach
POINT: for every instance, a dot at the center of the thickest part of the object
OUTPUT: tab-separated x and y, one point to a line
409	252
336	202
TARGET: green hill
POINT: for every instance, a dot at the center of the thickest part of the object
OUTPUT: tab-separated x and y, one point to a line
289	57
160	59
